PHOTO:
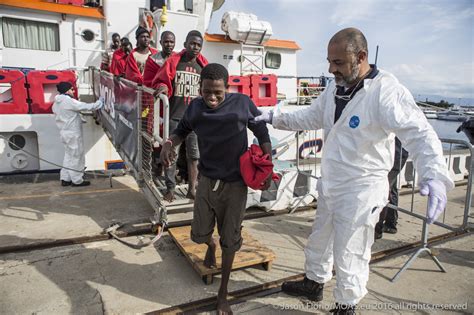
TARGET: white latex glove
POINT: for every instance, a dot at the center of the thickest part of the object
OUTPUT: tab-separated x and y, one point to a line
266	116
436	192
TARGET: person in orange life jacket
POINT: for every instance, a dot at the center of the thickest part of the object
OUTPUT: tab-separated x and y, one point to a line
179	79
107	55
136	60
220	121
119	58
156	61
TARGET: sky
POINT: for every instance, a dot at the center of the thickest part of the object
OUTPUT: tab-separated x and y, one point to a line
427	44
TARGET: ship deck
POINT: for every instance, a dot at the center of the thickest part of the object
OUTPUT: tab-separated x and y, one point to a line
55	258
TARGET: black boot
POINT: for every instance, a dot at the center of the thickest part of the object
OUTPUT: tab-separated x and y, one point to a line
343	309
84	183
306	287
378	232
390	228
65	183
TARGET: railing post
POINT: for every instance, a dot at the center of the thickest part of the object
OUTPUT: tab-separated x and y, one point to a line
166	116
93	70
468	200
157	136
139	169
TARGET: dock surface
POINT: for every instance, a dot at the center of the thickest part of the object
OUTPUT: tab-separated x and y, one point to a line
106	277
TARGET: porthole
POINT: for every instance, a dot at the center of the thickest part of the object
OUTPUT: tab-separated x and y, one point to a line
88	35
272	60
17	142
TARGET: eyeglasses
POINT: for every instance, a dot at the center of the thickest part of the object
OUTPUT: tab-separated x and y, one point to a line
343	97
347	97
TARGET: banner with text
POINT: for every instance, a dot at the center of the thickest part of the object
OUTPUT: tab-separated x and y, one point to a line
120	114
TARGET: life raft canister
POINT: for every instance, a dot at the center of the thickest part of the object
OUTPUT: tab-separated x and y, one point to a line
14	99
42	88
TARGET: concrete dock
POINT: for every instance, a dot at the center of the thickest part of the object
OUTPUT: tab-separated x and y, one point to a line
106	277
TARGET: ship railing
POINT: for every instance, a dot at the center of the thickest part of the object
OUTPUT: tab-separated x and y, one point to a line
458	159
308	170
450	219
309	88
305	95
154	127
460	167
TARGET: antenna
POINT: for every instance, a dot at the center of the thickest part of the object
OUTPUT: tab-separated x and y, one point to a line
376	54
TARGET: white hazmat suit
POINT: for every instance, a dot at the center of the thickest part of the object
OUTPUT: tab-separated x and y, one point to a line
357	156
68	120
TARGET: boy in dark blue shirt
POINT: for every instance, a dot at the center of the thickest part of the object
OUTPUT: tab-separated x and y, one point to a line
220	121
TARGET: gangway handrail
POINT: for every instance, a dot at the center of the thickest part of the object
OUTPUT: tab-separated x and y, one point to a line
157	119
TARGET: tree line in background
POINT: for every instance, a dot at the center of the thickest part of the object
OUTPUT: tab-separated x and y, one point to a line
442	104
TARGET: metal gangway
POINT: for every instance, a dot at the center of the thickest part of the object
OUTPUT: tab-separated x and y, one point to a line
136	122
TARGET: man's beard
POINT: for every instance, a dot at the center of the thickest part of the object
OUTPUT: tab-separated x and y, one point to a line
348	81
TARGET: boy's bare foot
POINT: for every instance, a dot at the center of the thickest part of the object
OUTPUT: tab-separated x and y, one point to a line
210	258
223	307
169	196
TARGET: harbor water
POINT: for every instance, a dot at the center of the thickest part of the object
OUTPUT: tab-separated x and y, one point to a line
447	129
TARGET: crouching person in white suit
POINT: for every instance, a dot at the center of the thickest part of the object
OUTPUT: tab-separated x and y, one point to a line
360	114
68	119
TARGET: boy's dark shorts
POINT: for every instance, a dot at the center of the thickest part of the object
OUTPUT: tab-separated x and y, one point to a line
192	149
191	142
224	205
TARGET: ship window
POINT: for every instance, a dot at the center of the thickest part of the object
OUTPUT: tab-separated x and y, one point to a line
26	34
17	142
188	6
272	60
158	5
88	35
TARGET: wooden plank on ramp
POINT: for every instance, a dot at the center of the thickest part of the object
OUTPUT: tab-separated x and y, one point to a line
252	253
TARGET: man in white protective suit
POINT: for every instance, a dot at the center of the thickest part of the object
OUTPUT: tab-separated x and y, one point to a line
68	119
360	115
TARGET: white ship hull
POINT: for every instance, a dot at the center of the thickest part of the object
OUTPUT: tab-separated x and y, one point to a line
43	143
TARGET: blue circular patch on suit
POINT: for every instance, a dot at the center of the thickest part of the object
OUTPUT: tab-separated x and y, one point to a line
354	122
